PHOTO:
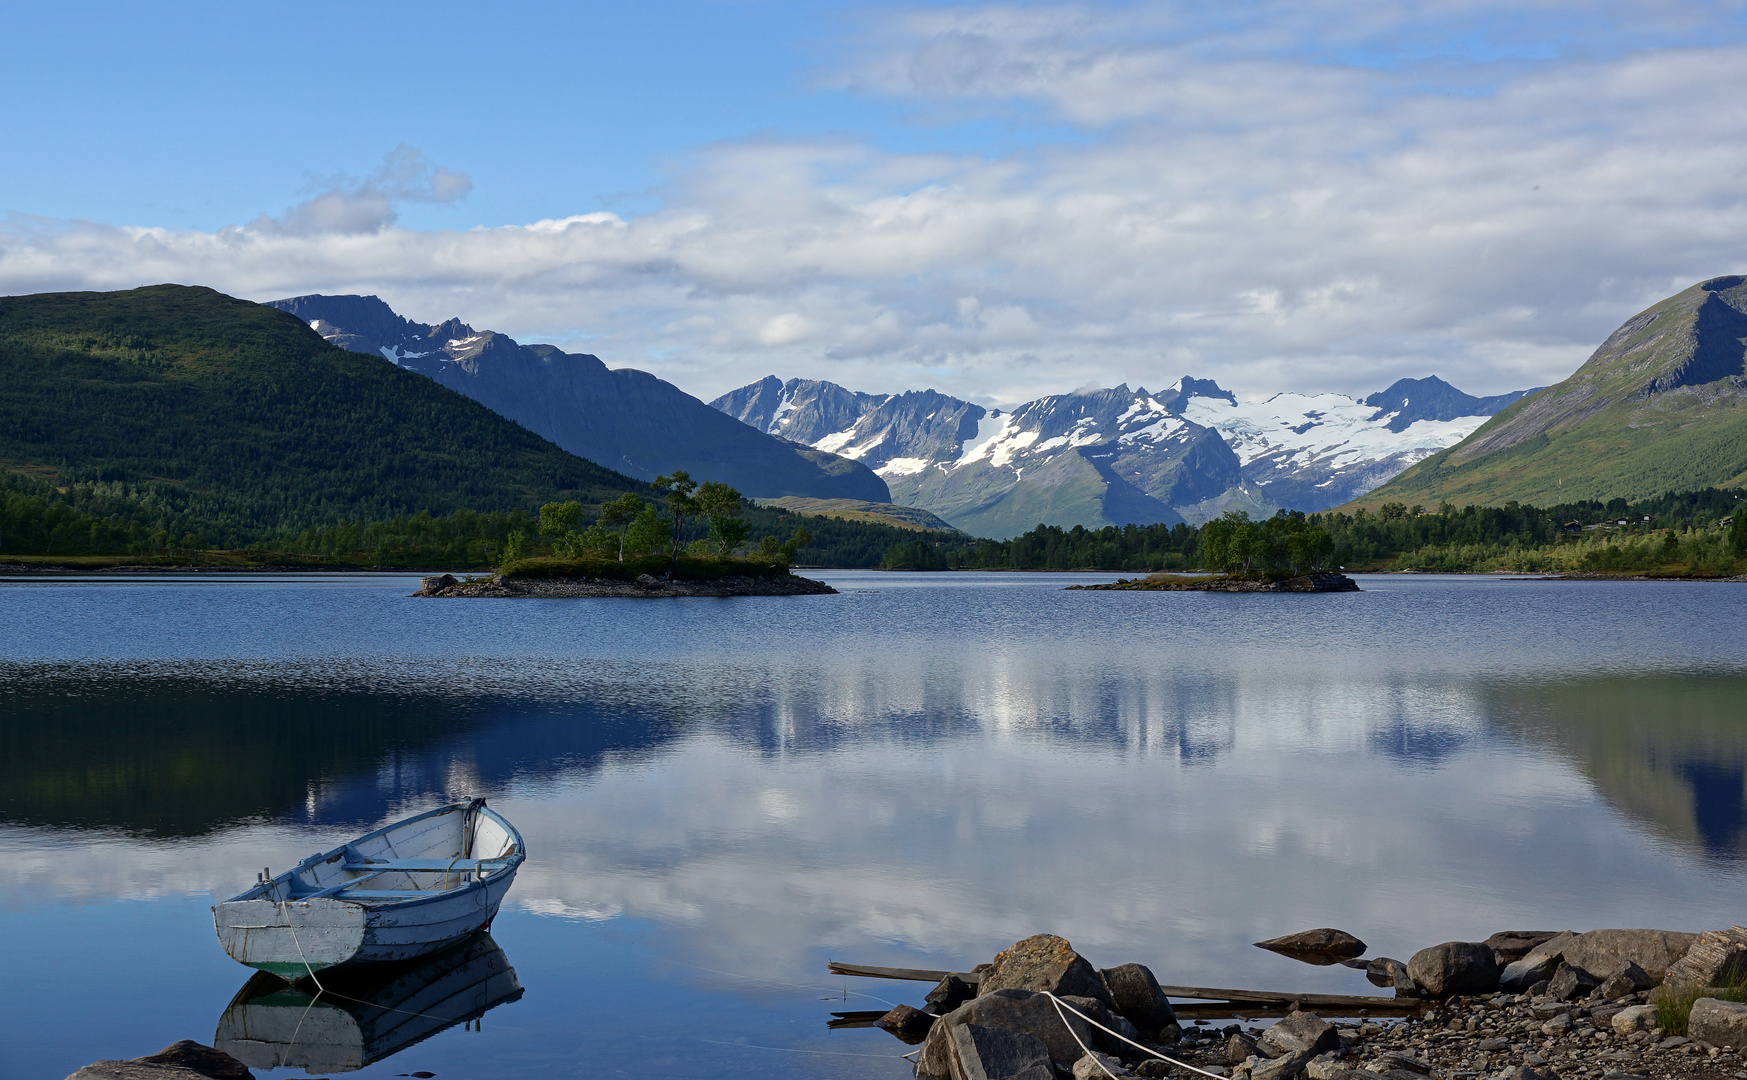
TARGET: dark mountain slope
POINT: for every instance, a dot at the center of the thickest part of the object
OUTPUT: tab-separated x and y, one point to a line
1431	398
625	419
193	405
1660	406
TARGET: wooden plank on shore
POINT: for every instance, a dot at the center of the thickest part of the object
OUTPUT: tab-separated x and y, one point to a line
1353	1001
1252	1010
1207	993
912	974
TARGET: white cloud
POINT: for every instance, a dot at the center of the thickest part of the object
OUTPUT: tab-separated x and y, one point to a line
1307	198
345	204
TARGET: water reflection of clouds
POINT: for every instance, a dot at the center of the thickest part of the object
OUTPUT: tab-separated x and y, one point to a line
1158	816
906	775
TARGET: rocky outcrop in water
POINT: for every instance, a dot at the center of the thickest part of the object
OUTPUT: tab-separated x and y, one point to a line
1304	583
645	587
184	1060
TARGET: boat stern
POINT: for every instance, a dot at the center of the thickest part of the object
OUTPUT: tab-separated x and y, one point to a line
291	938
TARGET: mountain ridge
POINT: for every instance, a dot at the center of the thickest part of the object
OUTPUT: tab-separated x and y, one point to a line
1660	405
1117	455
625	419
194	409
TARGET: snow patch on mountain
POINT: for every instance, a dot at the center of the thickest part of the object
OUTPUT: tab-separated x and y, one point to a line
1118	455
1331	428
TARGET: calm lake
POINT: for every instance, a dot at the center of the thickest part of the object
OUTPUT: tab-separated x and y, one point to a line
718	796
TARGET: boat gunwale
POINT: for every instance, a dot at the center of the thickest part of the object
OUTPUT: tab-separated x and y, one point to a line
513	861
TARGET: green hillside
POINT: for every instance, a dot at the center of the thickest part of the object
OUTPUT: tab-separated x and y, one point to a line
1660	406
173	408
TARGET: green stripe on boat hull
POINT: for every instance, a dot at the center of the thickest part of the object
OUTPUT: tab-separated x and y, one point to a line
288	972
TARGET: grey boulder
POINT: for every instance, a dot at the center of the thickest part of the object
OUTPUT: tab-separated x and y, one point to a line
1282	1068
183	1060
1136	997
1299	1032
907	1023
1239	1048
1538	963
1021	1011
949	994
1557	1026
1326	941
1628	978
1571	982
1396	1061
1455	967
1720	1023
1044	962
430	586
1095	1066
1716	958
1602	950
981	1053
1512	945
135	1070
1633	1018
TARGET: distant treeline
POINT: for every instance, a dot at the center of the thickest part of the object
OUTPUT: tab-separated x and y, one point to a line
1672	533
115	519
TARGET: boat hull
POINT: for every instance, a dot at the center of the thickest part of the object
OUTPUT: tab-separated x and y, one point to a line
295	938
367	1016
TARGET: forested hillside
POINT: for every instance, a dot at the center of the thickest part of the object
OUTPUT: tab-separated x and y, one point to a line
171	412
1696	532
1661	405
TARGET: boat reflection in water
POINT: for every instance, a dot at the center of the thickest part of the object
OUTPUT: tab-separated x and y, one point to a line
355	1019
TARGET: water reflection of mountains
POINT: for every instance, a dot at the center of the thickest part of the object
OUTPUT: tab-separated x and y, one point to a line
178	756
1668	750
351	1021
159	755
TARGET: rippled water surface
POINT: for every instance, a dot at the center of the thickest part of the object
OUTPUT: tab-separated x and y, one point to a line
718	796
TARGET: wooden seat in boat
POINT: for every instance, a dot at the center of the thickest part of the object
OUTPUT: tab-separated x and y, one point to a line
440	866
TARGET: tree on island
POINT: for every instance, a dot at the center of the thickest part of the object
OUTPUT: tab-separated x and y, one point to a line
649	532
621	512
1232	543
785	552
721	505
681	504
559	521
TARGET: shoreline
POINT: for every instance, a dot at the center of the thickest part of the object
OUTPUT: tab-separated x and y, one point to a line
15	569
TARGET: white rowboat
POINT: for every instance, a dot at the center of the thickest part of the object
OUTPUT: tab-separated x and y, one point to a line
398	893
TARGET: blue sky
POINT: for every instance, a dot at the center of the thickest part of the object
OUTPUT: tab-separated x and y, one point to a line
218	112
995	200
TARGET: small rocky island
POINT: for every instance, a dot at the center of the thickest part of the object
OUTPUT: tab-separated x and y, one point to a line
1521	1005
1315	582
640	577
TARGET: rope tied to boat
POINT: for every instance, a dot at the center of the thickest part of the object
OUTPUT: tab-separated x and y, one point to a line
279	906
1060	1005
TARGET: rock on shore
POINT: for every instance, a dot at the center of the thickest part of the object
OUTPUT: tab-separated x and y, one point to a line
1578	1024
1304	583
644	587
184	1060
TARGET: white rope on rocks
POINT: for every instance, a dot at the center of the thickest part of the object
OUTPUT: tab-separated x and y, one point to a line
1060	1005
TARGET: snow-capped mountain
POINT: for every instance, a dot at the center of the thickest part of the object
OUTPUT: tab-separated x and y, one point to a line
1090	458
622	418
1117	456
1315	451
